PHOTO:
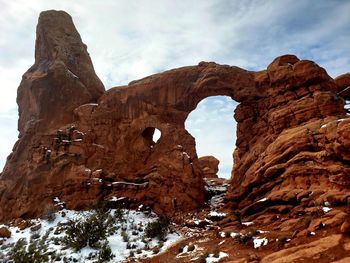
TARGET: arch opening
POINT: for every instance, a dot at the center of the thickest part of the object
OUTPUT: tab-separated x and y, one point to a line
152	135
213	126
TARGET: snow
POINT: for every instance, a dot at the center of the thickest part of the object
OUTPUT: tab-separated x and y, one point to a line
247	223
258	242
211	258
263	200
234	234
132	221
327	203
326	209
339	120
216	214
312	233
262	231
186	154
58	202
347	105
114	198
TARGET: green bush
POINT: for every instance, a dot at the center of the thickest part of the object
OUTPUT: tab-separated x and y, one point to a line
158	229
90	231
32	253
105	254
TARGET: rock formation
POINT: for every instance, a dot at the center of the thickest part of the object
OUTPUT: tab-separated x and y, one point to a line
81	144
209	166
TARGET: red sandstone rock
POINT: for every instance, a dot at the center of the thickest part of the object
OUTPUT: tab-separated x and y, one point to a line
61	79
83	145
343	83
305	252
5	232
345	227
209	165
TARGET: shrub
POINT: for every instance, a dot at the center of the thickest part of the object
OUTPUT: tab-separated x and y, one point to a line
203	257
50	214
125	236
251	231
158	229
34	252
90	232
105	254
248	237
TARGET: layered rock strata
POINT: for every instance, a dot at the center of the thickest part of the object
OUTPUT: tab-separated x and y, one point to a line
80	144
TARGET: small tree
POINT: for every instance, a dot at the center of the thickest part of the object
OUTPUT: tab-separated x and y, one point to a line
90	232
105	254
158	229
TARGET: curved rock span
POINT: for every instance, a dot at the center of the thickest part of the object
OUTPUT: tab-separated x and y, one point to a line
83	144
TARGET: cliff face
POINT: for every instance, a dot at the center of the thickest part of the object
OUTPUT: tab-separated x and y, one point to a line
83	145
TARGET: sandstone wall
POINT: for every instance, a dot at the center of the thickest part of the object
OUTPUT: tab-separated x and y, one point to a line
83	145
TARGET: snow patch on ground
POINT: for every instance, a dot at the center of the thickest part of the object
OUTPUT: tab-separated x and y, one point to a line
131	228
258	242
211	258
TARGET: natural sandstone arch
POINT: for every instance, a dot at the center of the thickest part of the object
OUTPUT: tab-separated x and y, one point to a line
215	143
277	108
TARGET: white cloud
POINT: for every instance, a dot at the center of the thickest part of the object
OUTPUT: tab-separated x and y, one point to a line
128	40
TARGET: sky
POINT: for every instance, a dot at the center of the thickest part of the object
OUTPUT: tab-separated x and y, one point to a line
128	40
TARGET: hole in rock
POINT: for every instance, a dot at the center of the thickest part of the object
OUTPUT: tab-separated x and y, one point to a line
152	135
214	129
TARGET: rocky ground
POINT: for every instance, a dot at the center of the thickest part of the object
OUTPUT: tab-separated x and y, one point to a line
279	235
214	234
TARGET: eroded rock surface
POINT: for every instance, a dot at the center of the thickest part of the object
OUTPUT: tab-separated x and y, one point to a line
209	165
80	145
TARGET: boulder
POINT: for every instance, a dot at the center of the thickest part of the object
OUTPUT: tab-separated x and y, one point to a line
305	252
343	83
345	227
209	165
5	232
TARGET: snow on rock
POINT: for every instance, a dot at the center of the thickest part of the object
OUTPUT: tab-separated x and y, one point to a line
247	223
216	258
58	202
326	209
258	242
325	125
115	199
263	200
216	214
186	154
234	234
